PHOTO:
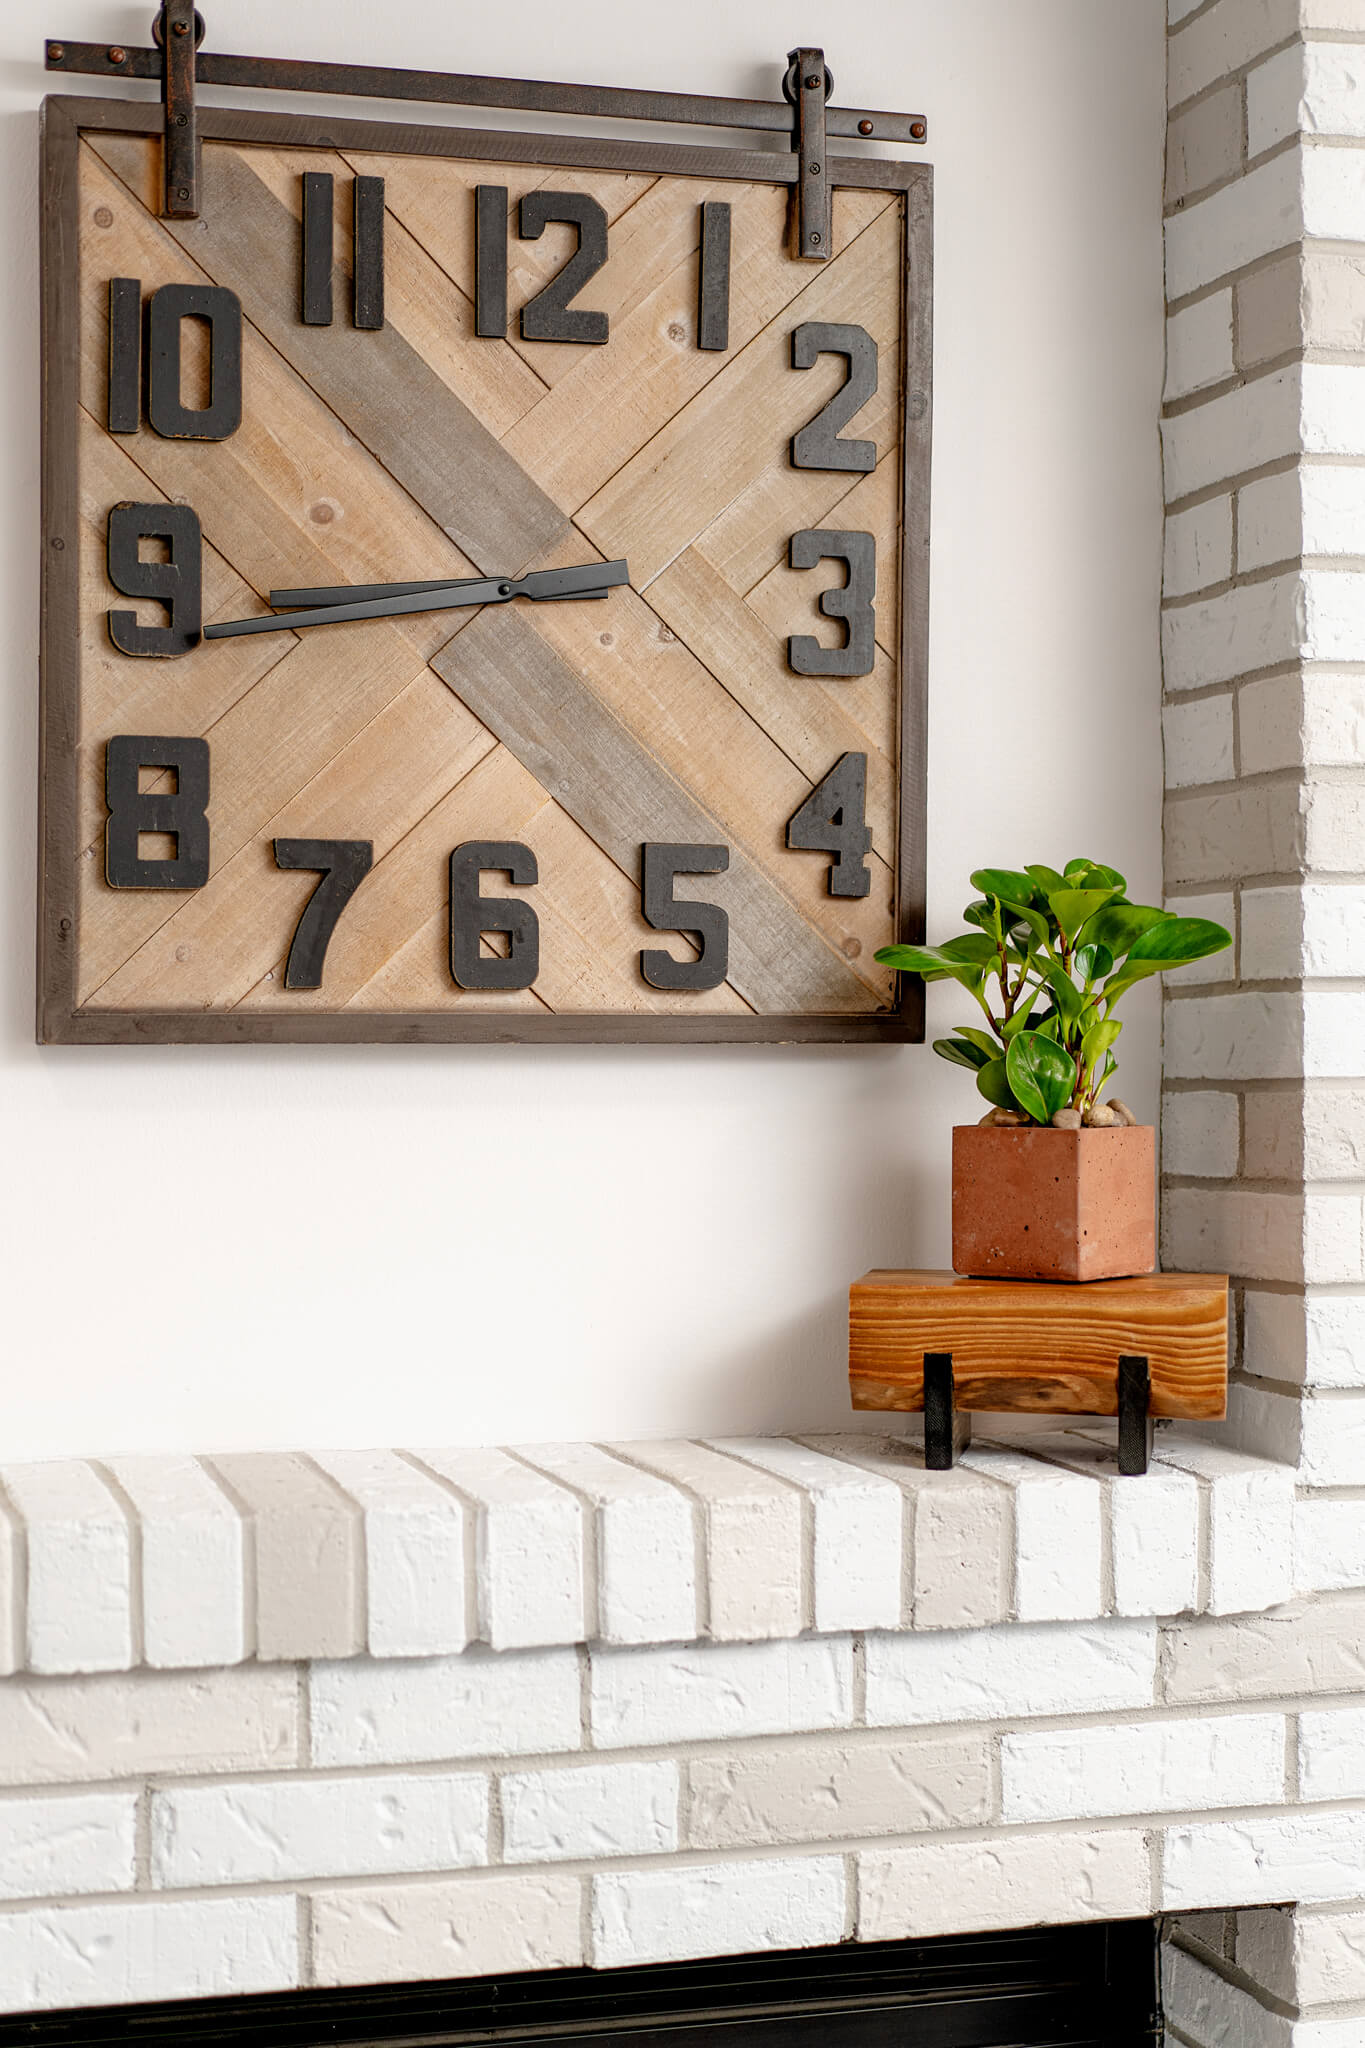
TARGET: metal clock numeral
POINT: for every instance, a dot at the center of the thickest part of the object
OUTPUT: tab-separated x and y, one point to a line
472	914
180	812
661	864
852	603
833	819
167	310
817	445
176	583
550	315
367	250
343	865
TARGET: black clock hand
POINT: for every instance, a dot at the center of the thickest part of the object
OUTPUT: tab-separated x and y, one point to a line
590	580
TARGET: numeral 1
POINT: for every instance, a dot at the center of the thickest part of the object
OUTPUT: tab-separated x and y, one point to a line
550	315
833	820
167	310
367	250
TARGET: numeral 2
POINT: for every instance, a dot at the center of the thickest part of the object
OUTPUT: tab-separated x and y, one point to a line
817	445
343	865
833	819
852	604
167	310
549	316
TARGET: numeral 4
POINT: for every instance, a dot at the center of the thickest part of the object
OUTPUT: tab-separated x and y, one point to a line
833	820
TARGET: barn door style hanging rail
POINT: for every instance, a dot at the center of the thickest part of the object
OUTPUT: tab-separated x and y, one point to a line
179	62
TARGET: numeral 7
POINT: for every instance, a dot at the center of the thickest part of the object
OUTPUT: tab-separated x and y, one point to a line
343	864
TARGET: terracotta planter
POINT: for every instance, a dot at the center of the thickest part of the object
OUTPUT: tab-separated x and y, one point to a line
1039	1204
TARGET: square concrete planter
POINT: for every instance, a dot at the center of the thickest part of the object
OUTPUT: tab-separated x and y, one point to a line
1039	1204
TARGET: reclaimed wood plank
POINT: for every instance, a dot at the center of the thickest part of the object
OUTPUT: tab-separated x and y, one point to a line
1039	1346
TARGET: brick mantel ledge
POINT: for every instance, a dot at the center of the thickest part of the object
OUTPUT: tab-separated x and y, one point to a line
179	1562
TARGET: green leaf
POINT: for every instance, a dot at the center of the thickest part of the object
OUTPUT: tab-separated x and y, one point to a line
1178	939
1015	1023
993	1083
1101	877
1098	1039
1034	921
1094	962
1047	879
1005	883
1074	907
1041	1074
1065	994
988	1047
974	946
933	962
1076	867
960	1054
1118	925
980	914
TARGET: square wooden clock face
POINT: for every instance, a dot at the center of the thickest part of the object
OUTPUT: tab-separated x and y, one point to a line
677	793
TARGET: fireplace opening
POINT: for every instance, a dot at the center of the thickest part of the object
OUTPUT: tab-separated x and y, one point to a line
1094	1986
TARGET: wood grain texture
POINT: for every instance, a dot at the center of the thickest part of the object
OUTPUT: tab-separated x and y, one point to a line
1039	1346
424	450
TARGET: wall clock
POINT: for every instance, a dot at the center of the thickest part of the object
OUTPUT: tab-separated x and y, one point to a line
484	573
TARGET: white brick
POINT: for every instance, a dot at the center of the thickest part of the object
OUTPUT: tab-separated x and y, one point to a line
1143	1767
1009	1672
1200	1134
1329	1957
646	1544
1329	1545
1226	38
414	1535
1263	1421
1309	1648
1259	422
1272	934
1275	98
1198	548
1332	1753
1258	1862
1330	198
838	1790
1056	1533
1316	931
459	1927
1251	1524
1334	1238
1233	226
1334	615
1243	1037
165	1948
11	1589
960	1543
707	1693
1199	345
656	1916
1001	1881
1198	742
753	1539
1215	2013
193	1592
55	1730
1333	508
81	1843
856	1521
1153	1526
1270	520
1233	1230
475	1705
317	1827
599	1810
528	1549
1255	626
307	1566
1332	1441
79	1548
1332	1351
1317	719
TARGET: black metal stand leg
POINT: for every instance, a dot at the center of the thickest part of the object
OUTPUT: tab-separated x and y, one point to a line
1135	1416
946	1431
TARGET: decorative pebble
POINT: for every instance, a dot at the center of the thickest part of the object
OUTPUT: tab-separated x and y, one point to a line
1067	1120
1102	1118
1004	1119
1121	1110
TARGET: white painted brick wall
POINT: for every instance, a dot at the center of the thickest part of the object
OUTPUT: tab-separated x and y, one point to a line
1225	38
1215	2013
1154	1524
1001	1673
316	1827
1200	1133
838	1789
78	1594
453	1927
1329	1545
1199	345
56	1731
856	1532
77	1842
1332	1753
1142	1767
701	1693
1329	1956
1251	1526
1198	741
1198	547
1056	1532
157	1949
415	1554
480	1704
1002	1881
717	1909
601	1810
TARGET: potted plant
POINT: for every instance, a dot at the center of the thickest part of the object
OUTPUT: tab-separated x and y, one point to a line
1054	1184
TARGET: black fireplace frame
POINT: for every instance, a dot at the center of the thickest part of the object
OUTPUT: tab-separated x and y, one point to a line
1092	1986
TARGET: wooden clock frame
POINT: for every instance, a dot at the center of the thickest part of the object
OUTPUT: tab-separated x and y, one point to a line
60	1018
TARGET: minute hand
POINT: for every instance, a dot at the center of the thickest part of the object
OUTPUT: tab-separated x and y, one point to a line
590	580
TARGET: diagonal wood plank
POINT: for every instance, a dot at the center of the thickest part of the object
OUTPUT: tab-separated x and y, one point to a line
740	423
622	796
390	399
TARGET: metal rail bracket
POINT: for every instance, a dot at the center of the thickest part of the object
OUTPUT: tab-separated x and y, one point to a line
808	85
179	30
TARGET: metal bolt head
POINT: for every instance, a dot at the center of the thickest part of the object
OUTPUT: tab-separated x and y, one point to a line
182	120
56	52
864	127
180	28
917	130
118	56
183	193
815	241
811	82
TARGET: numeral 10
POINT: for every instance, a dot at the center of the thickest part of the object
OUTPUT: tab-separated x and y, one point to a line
831	820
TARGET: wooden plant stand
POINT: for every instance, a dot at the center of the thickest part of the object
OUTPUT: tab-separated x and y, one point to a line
948	1344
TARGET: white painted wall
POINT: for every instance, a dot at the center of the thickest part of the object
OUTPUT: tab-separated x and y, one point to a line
252	1247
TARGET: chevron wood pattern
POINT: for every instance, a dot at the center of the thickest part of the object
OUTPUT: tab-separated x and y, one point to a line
666	713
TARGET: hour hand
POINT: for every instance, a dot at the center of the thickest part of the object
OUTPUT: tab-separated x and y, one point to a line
333	604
